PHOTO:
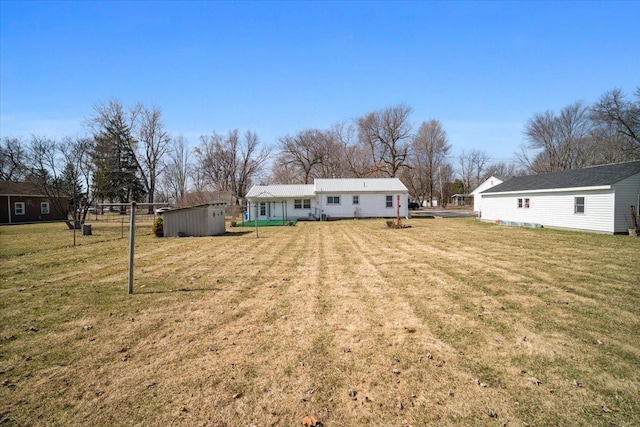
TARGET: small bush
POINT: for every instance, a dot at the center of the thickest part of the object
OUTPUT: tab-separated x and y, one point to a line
157	228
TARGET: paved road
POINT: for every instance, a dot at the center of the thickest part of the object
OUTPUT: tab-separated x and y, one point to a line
441	213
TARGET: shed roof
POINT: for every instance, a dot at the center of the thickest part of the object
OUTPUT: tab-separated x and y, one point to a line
359	185
593	176
280	190
186	208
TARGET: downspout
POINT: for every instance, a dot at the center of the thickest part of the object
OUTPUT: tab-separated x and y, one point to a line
9	207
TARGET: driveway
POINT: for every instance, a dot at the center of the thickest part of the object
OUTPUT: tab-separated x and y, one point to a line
442	213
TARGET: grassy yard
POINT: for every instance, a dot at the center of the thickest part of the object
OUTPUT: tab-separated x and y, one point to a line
449	322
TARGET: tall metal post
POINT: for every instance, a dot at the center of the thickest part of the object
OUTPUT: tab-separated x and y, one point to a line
132	238
256	219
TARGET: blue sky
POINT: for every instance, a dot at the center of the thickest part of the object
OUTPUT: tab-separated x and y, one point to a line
481	68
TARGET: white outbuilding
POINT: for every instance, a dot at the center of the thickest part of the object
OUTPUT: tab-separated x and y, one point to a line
195	221
603	199
490	182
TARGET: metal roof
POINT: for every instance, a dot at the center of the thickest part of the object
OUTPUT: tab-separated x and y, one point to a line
359	185
280	190
593	176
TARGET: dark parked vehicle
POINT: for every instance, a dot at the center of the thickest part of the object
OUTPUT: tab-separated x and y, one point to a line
414	205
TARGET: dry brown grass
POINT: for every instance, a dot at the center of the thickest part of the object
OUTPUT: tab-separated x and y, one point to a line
450	322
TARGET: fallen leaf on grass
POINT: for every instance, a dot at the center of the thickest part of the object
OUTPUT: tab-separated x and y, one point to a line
311	421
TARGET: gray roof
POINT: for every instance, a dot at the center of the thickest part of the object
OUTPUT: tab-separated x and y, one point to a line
359	185
280	190
594	176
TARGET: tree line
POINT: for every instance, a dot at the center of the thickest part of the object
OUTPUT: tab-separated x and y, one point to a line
128	154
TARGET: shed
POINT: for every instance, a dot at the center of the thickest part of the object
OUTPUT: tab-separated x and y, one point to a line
196	221
598	198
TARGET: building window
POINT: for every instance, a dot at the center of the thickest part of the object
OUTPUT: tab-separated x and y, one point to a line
526	203
519	203
44	208
302	204
578	205
333	200
356	200
19	208
263	208
389	201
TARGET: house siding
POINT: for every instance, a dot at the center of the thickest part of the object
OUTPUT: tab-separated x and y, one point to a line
369	205
627	192
275	209
554	209
477	197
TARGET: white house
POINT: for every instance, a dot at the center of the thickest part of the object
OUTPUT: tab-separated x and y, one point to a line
598	198
329	198
490	182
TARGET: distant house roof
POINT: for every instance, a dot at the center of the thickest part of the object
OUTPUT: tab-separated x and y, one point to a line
280	190
360	185
593	176
10	188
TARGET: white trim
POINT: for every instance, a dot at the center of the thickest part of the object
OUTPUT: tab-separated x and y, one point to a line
550	190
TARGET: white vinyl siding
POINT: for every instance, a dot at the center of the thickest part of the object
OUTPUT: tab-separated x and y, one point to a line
553	210
372	205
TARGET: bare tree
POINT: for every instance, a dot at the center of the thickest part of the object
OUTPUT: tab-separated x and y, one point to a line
304	151
386	133
80	168
473	166
356	158
12	160
430	148
176	169
250	160
153	145
229	163
502	170
619	123
559	142
44	166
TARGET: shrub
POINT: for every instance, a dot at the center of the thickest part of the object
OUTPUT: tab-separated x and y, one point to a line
157	228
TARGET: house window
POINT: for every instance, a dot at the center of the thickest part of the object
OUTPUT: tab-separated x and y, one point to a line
389	201
263	208
356	200
19	208
526	203
333	200
578	205
302	204
519	203
44	208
